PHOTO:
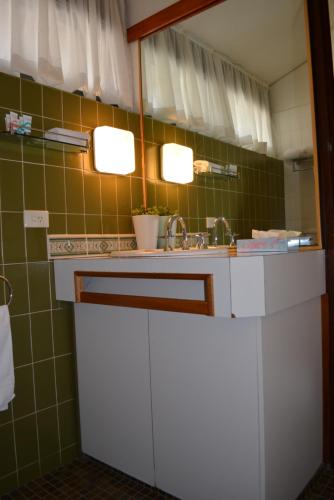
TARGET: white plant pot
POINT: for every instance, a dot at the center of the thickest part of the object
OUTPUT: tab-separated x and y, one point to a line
162	228
146	229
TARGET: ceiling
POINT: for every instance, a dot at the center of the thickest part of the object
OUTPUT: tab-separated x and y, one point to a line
137	10
265	37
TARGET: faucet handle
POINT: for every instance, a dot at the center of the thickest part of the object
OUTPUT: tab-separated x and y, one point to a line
185	244
232	239
201	241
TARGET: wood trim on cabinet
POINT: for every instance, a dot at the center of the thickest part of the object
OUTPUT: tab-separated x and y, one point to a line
176	12
190	306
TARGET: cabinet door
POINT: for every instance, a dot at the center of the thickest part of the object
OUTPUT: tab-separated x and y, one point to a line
114	387
205	406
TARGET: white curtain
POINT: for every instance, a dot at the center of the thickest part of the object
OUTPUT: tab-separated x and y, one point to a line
331	19
69	44
196	88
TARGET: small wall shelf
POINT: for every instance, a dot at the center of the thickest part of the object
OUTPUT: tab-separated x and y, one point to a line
36	140
302	164
203	167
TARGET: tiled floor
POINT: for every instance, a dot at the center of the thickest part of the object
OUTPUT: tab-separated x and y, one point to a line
88	479
321	487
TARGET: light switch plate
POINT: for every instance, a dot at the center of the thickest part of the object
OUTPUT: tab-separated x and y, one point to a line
210	222
36	218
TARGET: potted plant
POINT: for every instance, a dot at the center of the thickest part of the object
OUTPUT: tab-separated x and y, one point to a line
164	214
146	225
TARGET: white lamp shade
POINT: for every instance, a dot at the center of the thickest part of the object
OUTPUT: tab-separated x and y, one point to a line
177	163
114	150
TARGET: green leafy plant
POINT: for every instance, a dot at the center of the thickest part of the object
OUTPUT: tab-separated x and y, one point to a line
142	210
163	210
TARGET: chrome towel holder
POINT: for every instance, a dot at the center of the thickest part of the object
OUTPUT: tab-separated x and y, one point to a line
9	287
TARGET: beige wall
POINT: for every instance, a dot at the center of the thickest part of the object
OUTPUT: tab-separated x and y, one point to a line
137	10
292	129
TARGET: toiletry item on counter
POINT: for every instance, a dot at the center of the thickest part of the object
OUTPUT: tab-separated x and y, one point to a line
262	245
27	124
7	122
16	124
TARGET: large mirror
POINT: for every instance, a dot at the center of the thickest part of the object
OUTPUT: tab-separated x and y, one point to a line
232	83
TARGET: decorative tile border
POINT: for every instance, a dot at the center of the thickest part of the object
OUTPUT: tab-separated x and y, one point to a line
65	245
62	245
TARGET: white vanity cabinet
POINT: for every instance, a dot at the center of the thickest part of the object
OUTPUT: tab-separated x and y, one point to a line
114	387
237	404
220	407
205	406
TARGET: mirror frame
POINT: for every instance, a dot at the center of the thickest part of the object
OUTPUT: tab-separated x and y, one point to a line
322	106
160	20
176	12
320	47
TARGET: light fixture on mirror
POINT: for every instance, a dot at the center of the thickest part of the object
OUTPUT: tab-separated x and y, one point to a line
177	163
114	150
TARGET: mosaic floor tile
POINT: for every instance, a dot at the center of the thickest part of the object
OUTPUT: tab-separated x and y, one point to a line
321	487
87	478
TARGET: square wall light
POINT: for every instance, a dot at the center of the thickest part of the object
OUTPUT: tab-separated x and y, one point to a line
177	163
114	150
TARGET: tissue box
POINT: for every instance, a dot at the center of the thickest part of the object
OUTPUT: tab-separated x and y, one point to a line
262	245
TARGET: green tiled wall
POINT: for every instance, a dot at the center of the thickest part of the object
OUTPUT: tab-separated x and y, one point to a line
40	429
254	200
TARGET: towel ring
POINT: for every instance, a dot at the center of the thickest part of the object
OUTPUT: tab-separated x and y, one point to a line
10	289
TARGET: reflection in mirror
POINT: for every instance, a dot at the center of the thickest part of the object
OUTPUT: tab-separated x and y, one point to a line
232	84
331	18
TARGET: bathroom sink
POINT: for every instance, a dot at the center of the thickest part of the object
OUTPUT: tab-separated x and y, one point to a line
219	251
192	252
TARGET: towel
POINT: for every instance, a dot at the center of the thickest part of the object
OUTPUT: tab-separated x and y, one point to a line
298	154
6	360
275	233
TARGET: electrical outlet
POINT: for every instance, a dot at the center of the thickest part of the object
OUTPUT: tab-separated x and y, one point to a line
210	222
36	218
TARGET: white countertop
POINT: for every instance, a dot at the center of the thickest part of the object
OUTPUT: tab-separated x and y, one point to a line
245	285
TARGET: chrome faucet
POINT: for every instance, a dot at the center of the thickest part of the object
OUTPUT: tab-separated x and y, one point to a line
201	241
168	232
228	231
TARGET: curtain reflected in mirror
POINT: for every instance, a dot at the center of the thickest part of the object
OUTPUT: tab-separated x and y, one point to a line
186	83
233	84
331	19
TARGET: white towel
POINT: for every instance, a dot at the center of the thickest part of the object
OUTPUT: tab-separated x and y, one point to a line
6	360
297	154
275	233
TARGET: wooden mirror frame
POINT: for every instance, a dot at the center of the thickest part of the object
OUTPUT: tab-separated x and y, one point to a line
322	88
178	11
166	17
323	92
